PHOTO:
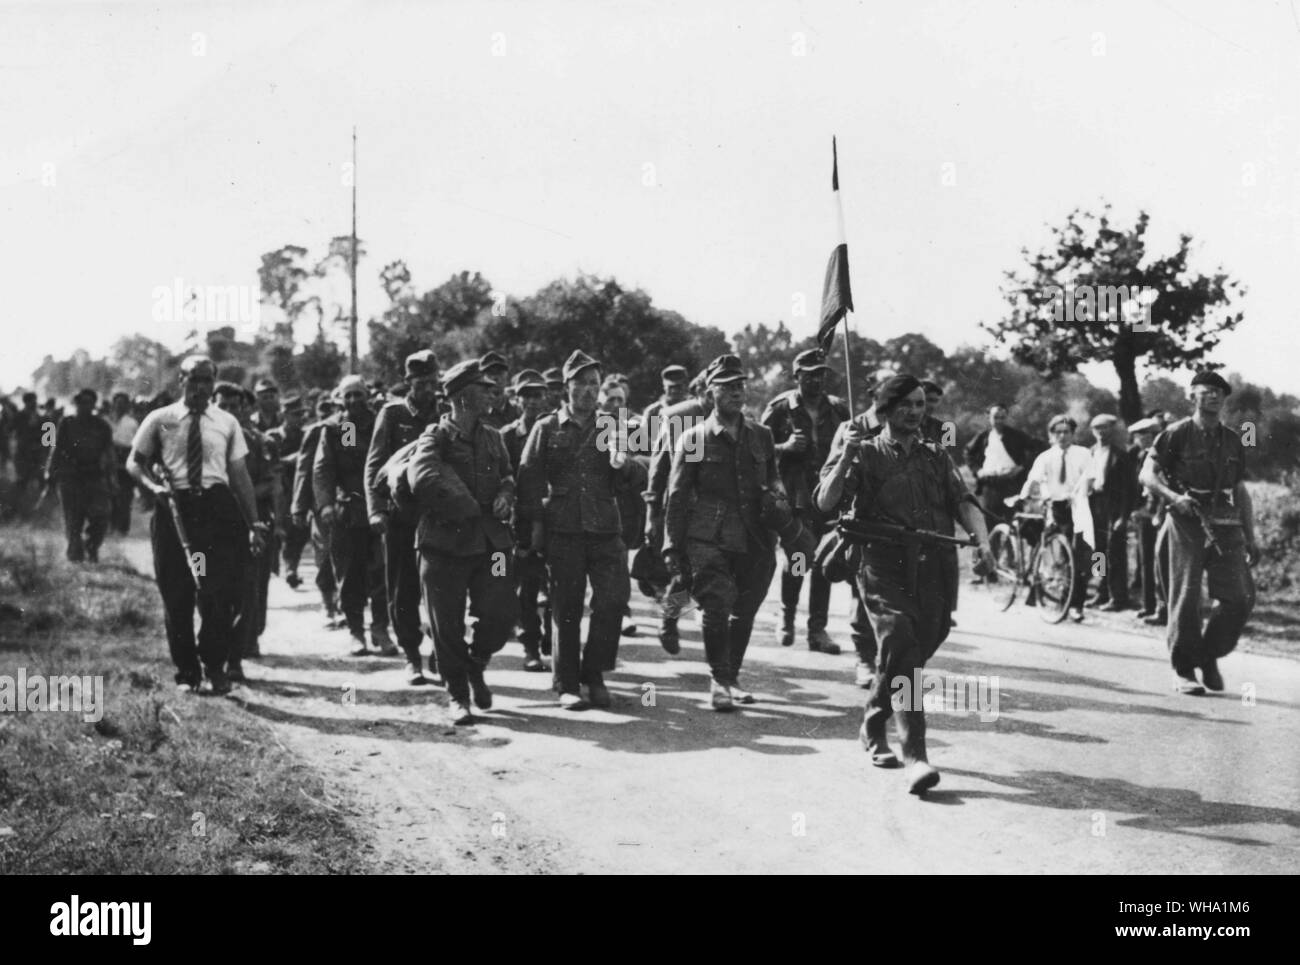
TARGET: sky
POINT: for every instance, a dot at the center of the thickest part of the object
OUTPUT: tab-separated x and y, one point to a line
680	147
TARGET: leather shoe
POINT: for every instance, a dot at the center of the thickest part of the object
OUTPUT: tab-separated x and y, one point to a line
235	673
1112	607
820	642
381	641
598	694
1189	686
533	664
670	640
787	634
359	648
572	702
218	684
1159	620
921	776
864	674
461	713
881	755
720	697
1143	614
414	675
482	695
739	696
1211	677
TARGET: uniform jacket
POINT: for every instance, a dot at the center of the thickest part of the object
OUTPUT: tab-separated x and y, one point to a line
263	470
395	426
785	415
715	491
672	422
303	499
456	477
1208	464
83	451
339	474
566	479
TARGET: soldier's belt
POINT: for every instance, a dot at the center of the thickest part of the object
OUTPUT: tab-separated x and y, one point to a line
861	531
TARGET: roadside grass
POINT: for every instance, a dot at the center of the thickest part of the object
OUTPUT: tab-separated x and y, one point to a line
162	783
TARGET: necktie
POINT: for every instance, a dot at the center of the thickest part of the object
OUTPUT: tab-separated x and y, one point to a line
194	451
1062	467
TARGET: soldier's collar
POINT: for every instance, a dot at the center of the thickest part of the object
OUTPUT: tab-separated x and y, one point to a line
716	426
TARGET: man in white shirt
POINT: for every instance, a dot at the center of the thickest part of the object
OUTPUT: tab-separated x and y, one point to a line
1059	476
190	455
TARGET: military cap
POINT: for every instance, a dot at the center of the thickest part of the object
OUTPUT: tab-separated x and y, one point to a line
1144	425
931	386
725	369
265	385
811	361
1057	420
493	360
225	388
1213	379
86	393
553	378
324	404
529	379
194	362
352	383
421	364
674	374
578	362
292	403
464	374
894	390
1105	419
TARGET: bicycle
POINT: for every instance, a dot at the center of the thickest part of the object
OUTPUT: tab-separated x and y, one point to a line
1030	551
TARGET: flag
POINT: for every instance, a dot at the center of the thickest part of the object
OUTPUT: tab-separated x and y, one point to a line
836	296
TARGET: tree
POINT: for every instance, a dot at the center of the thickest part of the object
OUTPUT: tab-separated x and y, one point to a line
445	319
1087	298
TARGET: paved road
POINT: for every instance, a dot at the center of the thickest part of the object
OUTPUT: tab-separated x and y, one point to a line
1091	763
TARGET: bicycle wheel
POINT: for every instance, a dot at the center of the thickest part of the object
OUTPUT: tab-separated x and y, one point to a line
1005	581
1054	577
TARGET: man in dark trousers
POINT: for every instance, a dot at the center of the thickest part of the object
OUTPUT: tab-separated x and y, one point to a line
897	477
339	478
1146	517
1000	458
569	477
1110	498
530	567
84	469
1197	466
399	424
723	471
287	439
303	508
461	480
203	481
803	423
33	436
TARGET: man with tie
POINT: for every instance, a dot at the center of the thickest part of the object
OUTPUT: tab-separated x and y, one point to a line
200	451
1058	475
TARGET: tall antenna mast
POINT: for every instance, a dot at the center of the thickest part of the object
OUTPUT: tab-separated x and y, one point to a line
352	344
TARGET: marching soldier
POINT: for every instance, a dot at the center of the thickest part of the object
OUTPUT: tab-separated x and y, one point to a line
304	512
339	478
569	478
205	508
674	379
398	424
83	467
1197	466
897	477
530	567
803	423
267	415
286	439
554	389
723	469
460	478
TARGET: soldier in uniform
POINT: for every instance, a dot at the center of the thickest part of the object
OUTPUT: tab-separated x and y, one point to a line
1197	466
303	506
339	478
530	568
398	424
803	423
897	477
554	389
286	439
84	468
267	415
570	475
30	452
722	472
460	477
674	379
500	412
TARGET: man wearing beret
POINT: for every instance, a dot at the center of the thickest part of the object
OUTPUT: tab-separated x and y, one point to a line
303	508
267	415
724	470
674	379
399	424
286	439
83	468
1110	498
803	423
897	477
460	478
1198	463
500	412
530	390
339	479
570	474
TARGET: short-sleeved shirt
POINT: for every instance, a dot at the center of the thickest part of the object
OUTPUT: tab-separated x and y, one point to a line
920	488
164	436
1201	461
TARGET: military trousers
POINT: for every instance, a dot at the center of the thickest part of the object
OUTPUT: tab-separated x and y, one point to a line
86	509
729	588
358	567
530	573
573	561
402	584
487	581
1231	587
325	582
792	579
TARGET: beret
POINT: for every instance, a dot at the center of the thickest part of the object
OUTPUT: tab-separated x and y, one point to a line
1213	379
894	390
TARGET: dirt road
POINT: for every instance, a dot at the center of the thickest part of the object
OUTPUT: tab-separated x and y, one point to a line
1091	763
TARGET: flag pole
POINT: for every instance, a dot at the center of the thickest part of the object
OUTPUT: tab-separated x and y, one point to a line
352	321
848	367
839	216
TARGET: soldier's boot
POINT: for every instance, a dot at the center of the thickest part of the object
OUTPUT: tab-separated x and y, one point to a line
874	737
669	638
787	628
921	776
819	641
381	641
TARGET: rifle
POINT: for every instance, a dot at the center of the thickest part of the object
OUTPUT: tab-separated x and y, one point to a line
911	540
173	510
1212	547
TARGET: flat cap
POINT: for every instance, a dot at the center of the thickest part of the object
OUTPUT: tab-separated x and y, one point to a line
578	362
894	390
292	403
674	374
352	383
1213	379
265	385
1144	425
464	374
1105	419
529	379
810	361
422	364
726	369
1057	420
554	378
493	360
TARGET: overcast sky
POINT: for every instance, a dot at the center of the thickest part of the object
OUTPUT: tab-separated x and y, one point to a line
683	147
